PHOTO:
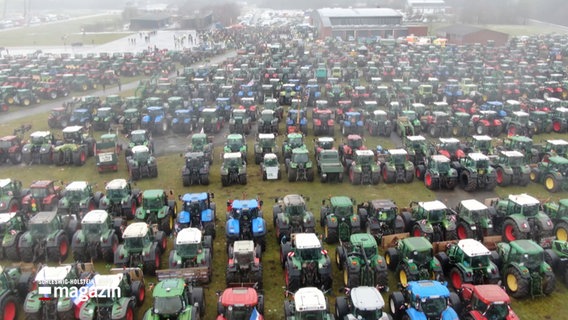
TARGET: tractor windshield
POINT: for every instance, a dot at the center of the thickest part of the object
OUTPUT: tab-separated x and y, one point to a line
168	305
530	210
267	142
399	159
433	307
482	164
271	162
477	261
103	113
369	314
91	228
370	251
311	315
483	144
515	161
421	257
356	143
235	144
38	140
238	313
188	249
311	254
150	203
138	138
436	216
134	243
40	229
443	166
301	158
115	193
364	160
74	194
5	144
495	311
478	215
343	211
296	142
451	147
532	261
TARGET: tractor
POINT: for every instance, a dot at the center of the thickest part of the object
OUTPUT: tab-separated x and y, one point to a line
380	218
240	303
120	200
480	144
245	222
347	149
305	263
485	302
180	293
329	166
378	124
511	168
552	174
265	143
431	219
196	169
181	121
233	169
58	117
418	151
363	169
270	167
155	120
525	145
11	195
191	257
451	148
413	259
103	119
210	121
338	219
40	149
475	173
142	247
308	303
98	237
323	122
363	302
12	227
198	211
42	195
361	262
558	213
423	300
139	138
299	167
475	220
157	208
468	261
519	124
46	237
201	143
293	141
560	120
77	199
236	143
106	152
244	266
297	121
290	215
11	149
396	167
352	124
557	258
438	173
268	122
240	122
141	163
75	148
523	269
519	216
487	123
130	120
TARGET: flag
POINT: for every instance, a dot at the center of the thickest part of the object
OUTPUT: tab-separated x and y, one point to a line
255	315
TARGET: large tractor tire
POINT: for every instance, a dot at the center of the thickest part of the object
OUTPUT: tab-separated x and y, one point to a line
517	286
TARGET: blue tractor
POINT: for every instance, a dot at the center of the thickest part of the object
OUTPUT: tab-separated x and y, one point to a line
224	107
245	222
426	299
155	120
352	124
181	122
198	211
80	117
297	121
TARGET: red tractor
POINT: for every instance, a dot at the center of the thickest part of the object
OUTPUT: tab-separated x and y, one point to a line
464	105
484	302
323	122
347	150
11	149
240	303
43	195
451	148
486	123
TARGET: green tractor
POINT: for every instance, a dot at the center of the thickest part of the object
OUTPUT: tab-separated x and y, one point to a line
299	167
142	247
475	172
418	151
191	258
378	124
413	259
233	169
103	119
438	173
11	195
363	168
361	262
106	151
240	122
78	198
524	269
329	166
552	174
431	219
176	298
236	143
265	143
127	291
558	213
519	216
200	142
16	282
46	238
380	218
338	219
557	258
522	144
468	261
404	126
12	226
140	137
98	237
120	199
511	168
75	148
59	279
291	215
141	163
130	120
293	141
308	303
397	167
158	208
40	148
554	147
474	220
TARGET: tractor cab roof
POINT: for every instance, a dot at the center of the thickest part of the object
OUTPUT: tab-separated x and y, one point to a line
384	204
265	136
95	217
524	199
209	110
366	298
449	140
309	299
512	154
432	205
417	243
188	236
40	134
190	197
306	241
293	200
379	113
325	139
476	156
72	129
440	158
428	288
341	201
557	142
49	274
267	112
136	230
116	184
562	110
109	281
415	138
245	204
270	156
77	186
5	182
526	246
364	239
232	155
5	217
482	138
396	152
513	102
169	288
138	132
520	114
239	296
558	160
473	248
140	149
243	246
473	205
43	217
152	193
362	153
491	293
487	112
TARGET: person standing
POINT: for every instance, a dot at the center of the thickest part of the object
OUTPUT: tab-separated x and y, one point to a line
119	85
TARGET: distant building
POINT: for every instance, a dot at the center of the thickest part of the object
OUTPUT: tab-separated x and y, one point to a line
197	21
359	23
467	34
426	7
149	22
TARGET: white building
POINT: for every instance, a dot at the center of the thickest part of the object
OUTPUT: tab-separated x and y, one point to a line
426	7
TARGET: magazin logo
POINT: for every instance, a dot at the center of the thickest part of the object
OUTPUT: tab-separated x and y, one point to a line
81	294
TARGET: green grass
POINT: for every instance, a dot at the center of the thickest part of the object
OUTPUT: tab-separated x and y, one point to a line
510	29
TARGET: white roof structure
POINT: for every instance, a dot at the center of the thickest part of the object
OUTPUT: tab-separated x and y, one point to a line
433	205
139	131
380	112
5	182
266	136
53	274
449	140
136	230
326	139
243	246
367	298
440	158
562	109
487	112
209	110
116	184
72	129
513	102
232	155
107	280
270	156
39	134
309	299
189	236
473	248
440	103
524	199
473	205
95	216
558	142
77	186
103	109
5	217
415	138
267	111
307	241
364	153
398	152
247	99
140	149
520	114
512	154
418	105
482	138
370	103
476	156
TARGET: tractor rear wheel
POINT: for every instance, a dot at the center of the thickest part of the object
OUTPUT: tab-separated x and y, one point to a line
391	258
396	305
59	252
511	231
429	181
464	231
330	234
468	182
11	252
517	286
404	275
561	231
456	278
8	308
341	308
502	178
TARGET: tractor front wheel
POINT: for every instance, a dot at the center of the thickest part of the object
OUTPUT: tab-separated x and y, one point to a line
517	286
551	183
561	231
